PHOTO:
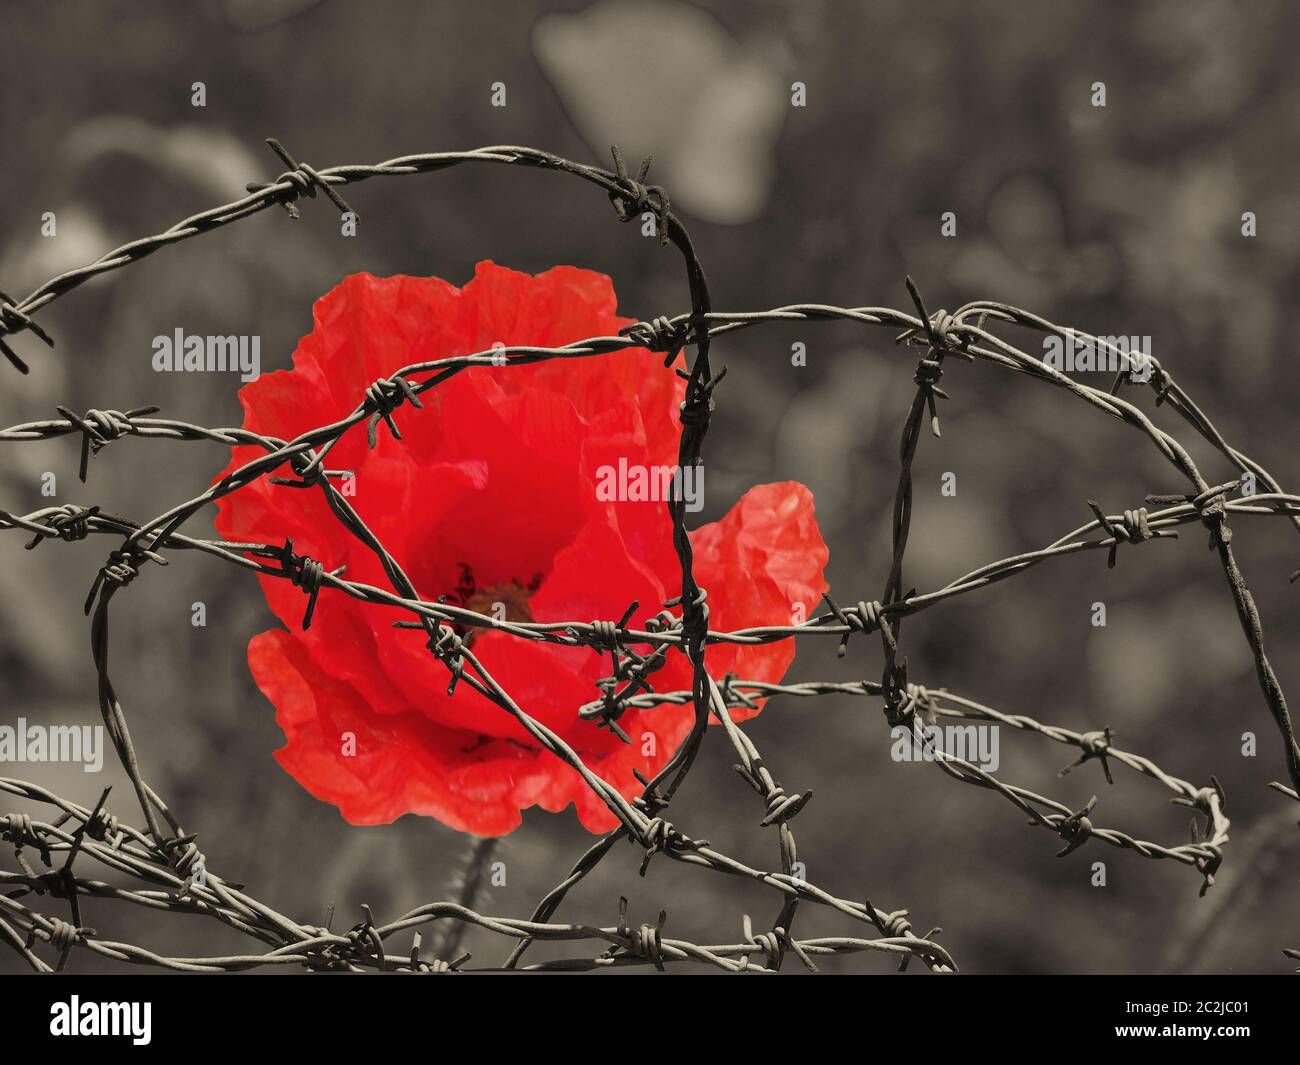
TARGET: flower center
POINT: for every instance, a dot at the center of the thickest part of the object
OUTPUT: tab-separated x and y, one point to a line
504	601
513	597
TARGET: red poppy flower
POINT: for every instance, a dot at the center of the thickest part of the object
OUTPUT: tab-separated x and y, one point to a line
490	497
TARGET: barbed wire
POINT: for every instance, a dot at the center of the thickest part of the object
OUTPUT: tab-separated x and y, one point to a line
171	871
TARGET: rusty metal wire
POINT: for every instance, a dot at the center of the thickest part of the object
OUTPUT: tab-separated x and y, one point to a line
168	871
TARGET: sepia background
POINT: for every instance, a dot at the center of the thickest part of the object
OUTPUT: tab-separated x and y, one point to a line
1118	220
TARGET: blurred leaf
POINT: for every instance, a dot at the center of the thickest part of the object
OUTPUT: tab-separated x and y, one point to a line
708	108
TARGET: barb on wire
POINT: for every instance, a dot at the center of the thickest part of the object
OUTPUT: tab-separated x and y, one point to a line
13	319
298	180
100	427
